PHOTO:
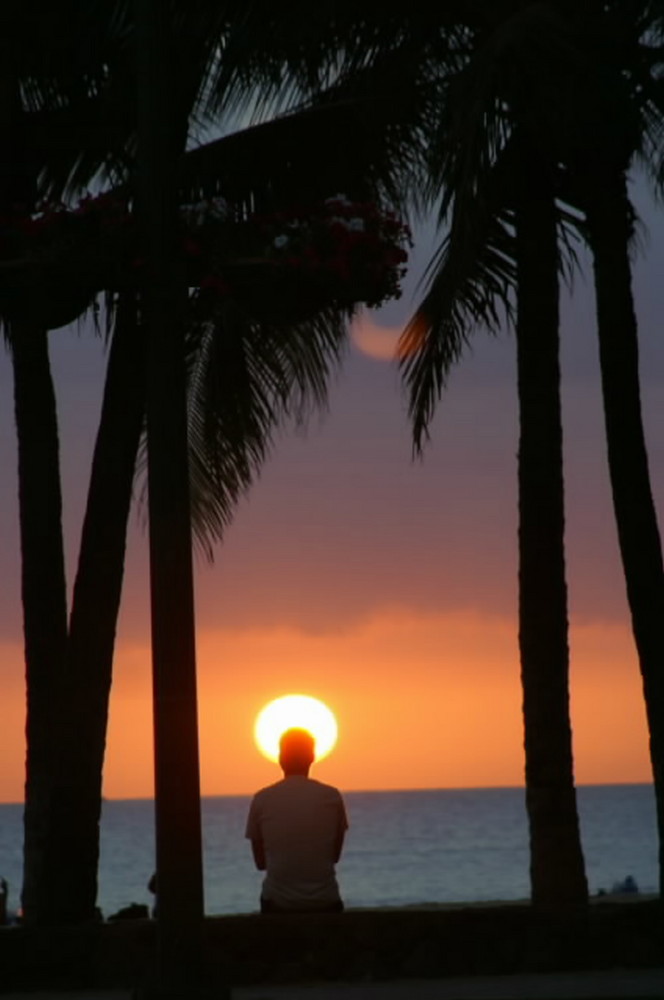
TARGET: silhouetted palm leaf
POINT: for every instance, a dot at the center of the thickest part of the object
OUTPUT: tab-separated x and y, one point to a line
245	380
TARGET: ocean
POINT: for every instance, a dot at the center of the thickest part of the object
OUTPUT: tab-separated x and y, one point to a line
402	848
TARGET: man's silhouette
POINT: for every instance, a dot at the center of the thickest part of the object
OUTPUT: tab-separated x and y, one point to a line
296	828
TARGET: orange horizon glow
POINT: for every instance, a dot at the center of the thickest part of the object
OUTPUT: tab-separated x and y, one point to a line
422	702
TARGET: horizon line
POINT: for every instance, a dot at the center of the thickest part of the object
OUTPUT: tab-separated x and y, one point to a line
382	791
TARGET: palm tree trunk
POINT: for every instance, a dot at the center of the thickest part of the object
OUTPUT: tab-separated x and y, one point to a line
556	865
44	596
609	216
74	833
177	779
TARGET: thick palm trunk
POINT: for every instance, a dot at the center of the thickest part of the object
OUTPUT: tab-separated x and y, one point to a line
74	831
177	778
609	216
44	595
556	866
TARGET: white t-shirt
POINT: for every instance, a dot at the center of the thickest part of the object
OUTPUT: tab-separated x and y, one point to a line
299	821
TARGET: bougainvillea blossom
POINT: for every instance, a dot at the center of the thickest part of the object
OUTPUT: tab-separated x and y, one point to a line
335	253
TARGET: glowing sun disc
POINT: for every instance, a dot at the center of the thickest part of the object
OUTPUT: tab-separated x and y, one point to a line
295	711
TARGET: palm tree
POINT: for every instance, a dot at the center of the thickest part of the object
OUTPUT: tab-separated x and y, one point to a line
68	851
603	108
46	76
556	858
43	576
619	121
500	188
163	302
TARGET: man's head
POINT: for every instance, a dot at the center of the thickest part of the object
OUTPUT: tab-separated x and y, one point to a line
297	750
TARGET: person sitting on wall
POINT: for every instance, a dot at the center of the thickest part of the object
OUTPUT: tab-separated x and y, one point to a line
296	828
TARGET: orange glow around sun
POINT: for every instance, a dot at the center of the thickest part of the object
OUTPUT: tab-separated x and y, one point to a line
295	711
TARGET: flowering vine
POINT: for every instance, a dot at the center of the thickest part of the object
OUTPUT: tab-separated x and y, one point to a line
332	253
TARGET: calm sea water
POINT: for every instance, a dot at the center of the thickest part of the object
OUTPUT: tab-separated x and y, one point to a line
467	845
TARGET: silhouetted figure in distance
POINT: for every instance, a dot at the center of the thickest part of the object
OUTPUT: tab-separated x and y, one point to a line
296	828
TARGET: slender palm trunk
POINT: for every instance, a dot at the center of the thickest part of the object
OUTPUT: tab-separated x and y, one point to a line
609	215
44	596
86	684
177	779
557	865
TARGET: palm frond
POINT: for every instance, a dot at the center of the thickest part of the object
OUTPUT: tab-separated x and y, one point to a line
289	52
366	137
245	380
469	285
69	64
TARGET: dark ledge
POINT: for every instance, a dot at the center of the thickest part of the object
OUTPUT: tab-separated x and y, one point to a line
356	945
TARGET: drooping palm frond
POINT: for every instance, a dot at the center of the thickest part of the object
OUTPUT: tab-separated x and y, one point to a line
495	82
79	86
246	377
245	380
473	171
365	136
289	52
69	64
472	274
471	278
471	284
83	126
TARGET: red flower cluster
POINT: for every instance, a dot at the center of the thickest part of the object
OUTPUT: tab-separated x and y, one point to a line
335	253
353	247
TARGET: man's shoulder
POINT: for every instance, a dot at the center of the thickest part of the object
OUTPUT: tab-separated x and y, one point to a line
268	790
321	784
291	790
320	788
310	785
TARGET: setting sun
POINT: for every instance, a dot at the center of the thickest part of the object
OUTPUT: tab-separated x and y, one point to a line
295	711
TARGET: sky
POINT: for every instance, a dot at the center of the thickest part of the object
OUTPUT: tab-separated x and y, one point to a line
382	584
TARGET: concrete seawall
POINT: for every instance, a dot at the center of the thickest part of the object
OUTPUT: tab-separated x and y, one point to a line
356	946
